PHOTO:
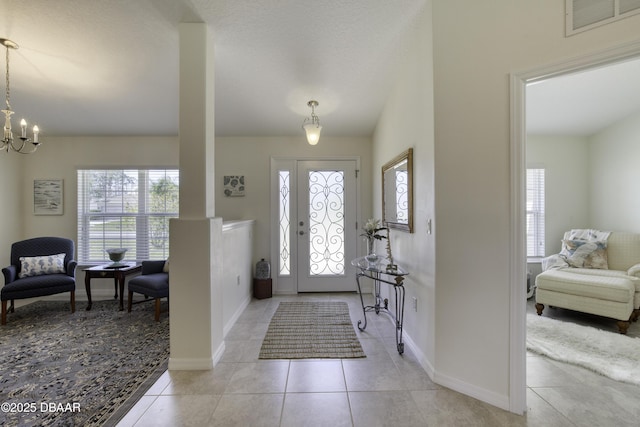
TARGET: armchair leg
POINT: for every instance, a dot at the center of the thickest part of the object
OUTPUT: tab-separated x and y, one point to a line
12	308
130	301
157	309
73	301
4	312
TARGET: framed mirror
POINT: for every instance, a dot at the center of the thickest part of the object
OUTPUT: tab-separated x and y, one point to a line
397	192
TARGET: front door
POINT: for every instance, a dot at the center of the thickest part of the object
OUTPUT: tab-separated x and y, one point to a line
317	225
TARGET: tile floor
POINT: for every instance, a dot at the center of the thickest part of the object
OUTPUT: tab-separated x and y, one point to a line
383	389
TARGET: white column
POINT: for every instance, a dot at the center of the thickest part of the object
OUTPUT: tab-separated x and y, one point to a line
195	237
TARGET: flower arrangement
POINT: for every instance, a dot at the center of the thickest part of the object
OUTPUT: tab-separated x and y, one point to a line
371	229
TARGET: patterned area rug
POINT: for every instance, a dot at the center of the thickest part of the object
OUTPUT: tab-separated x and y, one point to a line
310	330
82	369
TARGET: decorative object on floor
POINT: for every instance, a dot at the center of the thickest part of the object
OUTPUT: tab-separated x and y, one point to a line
234	185
39	267
99	359
48	197
311	330
262	285
8	142
311	125
607	353
116	255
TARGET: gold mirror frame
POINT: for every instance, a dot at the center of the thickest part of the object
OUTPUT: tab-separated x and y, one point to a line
390	195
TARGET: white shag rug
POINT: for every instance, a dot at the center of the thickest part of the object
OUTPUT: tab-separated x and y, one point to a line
613	355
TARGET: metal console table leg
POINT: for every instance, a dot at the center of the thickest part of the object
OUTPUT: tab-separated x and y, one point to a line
380	304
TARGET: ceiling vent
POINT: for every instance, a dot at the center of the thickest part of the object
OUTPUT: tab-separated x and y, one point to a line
583	15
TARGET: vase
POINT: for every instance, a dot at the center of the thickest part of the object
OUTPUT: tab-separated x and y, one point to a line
371	256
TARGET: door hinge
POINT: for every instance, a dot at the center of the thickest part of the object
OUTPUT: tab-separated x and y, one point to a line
356	225
357	170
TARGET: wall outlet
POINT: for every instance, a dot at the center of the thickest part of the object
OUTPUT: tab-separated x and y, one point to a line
415	303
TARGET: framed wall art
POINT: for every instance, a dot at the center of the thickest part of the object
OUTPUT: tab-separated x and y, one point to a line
48	197
234	185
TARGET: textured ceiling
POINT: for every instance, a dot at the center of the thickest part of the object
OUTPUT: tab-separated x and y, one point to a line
91	67
110	67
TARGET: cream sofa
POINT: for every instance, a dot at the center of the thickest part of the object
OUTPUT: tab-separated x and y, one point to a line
612	291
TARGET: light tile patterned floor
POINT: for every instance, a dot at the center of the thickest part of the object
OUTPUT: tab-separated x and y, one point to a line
384	389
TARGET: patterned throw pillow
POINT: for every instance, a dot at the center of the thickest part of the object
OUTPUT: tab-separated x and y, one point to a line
583	254
39	265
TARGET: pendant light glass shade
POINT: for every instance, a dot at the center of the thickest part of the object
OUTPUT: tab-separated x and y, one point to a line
311	125
313	132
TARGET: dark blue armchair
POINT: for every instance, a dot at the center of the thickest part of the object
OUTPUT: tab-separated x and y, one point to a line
46	271
153	283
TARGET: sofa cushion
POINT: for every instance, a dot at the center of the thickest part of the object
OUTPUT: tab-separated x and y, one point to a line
39	265
583	254
596	286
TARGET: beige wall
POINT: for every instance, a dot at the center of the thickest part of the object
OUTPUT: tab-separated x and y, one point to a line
12	178
407	122
615	175
566	163
476	47
250	156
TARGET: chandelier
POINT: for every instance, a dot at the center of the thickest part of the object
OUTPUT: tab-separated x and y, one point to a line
311	125
8	142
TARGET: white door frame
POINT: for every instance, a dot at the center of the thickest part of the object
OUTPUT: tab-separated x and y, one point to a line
287	285
517	261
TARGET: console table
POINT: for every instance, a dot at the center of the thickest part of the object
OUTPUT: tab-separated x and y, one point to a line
377	271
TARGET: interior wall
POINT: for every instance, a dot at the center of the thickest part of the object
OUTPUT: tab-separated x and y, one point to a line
615	175
61	157
477	45
11	167
407	122
250	156
566	163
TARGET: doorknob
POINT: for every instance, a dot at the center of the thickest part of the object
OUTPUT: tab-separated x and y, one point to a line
301	223
301	233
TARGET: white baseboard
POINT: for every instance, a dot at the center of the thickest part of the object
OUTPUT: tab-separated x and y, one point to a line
236	316
498	400
217	355
176	364
495	399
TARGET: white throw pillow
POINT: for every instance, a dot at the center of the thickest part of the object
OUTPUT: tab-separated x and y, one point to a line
165	268
39	265
583	254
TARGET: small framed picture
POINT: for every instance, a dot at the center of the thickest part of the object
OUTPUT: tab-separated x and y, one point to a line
48	197
234	185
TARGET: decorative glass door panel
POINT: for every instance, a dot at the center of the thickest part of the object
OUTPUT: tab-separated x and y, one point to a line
326	227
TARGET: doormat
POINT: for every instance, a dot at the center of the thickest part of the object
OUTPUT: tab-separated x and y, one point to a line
311	330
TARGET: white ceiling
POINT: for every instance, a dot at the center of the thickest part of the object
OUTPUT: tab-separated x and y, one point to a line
92	67
96	67
584	103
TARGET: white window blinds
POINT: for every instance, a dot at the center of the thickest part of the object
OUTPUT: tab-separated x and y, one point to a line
125	209
535	212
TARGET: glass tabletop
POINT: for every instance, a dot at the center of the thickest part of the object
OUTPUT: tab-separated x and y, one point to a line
378	265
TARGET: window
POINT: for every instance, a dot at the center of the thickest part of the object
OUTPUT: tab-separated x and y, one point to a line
535	212
126	209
